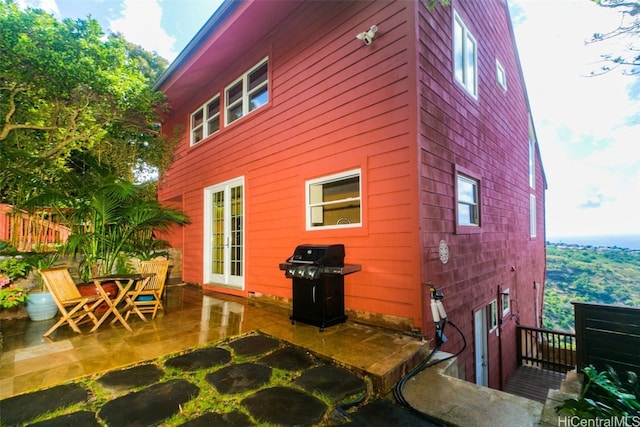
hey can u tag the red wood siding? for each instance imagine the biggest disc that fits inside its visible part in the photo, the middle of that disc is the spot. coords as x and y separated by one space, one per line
335 105
489 138
393 110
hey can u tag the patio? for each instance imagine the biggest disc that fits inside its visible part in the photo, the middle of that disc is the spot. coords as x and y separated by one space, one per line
192 319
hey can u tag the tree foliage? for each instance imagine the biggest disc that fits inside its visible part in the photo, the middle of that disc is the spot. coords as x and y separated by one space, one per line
628 31
66 89
109 216
431 4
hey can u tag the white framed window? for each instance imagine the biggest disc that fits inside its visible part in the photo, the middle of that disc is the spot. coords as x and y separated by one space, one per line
501 76
506 302
532 215
493 315
334 201
205 120
465 51
468 205
532 163
248 93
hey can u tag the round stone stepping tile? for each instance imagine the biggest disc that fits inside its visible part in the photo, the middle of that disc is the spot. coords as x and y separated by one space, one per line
285 406
200 359
20 409
137 376
82 418
148 406
254 345
229 419
239 378
288 358
331 381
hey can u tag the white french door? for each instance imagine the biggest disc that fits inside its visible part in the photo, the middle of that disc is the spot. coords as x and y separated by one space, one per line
224 234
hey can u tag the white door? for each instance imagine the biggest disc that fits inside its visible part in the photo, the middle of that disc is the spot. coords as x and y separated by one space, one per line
480 343
224 234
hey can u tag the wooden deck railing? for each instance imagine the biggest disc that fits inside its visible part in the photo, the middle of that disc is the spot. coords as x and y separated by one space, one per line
546 349
26 232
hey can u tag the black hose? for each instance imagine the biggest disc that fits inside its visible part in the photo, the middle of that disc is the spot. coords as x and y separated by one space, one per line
342 407
397 389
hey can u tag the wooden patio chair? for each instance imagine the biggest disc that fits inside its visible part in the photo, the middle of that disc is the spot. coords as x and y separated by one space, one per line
74 307
148 299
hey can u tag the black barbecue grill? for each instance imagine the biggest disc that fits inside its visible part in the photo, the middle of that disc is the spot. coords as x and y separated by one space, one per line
318 283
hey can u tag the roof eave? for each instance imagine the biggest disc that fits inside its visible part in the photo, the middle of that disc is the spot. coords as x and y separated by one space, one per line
214 22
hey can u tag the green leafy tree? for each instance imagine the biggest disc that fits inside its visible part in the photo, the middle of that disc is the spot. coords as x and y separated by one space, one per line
628 31
65 89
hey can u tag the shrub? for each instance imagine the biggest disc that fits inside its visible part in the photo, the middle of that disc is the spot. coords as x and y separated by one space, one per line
605 395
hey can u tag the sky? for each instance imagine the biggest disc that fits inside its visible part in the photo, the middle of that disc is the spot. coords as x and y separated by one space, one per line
588 128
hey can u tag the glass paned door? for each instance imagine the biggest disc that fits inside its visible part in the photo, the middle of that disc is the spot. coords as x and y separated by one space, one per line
224 231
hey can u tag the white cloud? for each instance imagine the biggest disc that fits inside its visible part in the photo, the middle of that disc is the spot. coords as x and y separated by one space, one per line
47 5
589 144
140 24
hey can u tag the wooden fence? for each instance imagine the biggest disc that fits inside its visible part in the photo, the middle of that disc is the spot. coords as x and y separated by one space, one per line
608 335
29 231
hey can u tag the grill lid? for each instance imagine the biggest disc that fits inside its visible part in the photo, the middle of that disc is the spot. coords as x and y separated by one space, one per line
325 255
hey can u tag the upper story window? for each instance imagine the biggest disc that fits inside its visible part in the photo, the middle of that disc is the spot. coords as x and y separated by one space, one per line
248 93
532 163
334 201
205 120
501 76
465 50
468 201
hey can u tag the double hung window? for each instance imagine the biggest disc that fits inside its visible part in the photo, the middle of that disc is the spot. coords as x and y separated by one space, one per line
205 120
248 93
468 201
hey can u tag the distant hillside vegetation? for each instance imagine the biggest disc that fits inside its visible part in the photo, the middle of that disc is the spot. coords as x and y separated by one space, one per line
590 274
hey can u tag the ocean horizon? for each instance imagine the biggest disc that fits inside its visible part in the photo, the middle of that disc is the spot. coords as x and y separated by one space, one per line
629 241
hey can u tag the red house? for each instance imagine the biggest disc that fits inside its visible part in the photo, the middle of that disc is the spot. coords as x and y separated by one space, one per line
402 132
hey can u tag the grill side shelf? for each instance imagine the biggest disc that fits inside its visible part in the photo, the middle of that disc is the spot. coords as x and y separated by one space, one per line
342 271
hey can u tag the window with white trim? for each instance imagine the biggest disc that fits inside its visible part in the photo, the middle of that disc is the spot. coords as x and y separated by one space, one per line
468 201
506 302
532 163
532 215
205 120
248 93
465 51
501 76
334 201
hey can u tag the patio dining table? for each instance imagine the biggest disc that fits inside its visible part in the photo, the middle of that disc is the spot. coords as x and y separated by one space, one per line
125 283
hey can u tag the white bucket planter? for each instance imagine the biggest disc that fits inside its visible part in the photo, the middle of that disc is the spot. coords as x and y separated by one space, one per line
41 306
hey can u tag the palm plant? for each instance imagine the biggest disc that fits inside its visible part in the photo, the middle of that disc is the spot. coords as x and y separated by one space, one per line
109 217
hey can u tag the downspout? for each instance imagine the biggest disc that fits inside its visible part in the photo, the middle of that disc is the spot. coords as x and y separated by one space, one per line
500 368
413 31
